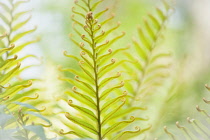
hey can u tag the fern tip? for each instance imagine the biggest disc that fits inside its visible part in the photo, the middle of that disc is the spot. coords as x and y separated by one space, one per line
137 128
178 125
206 85
190 120
70 102
132 118
74 88
206 101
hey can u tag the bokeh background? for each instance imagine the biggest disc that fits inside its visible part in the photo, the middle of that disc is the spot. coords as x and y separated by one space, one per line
187 37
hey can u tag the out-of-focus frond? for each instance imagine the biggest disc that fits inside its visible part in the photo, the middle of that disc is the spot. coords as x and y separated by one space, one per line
198 128
12 22
150 67
16 93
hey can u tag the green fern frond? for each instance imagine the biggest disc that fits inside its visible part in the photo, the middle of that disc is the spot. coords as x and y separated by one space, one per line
14 30
16 93
96 94
198 128
150 63
10 65
147 70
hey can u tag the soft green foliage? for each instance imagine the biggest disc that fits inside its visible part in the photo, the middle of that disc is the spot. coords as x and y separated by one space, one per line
109 88
148 69
151 62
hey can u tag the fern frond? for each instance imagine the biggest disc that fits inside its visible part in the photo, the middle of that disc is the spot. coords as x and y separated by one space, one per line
10 65
96 87
150 63
147 66
15 93
199 128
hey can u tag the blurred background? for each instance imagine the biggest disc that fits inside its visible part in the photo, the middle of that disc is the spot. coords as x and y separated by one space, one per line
187 37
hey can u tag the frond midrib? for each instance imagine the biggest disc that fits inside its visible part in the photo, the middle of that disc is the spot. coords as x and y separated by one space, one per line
95 67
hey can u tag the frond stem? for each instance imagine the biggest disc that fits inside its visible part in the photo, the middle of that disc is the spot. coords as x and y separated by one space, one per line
95 67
